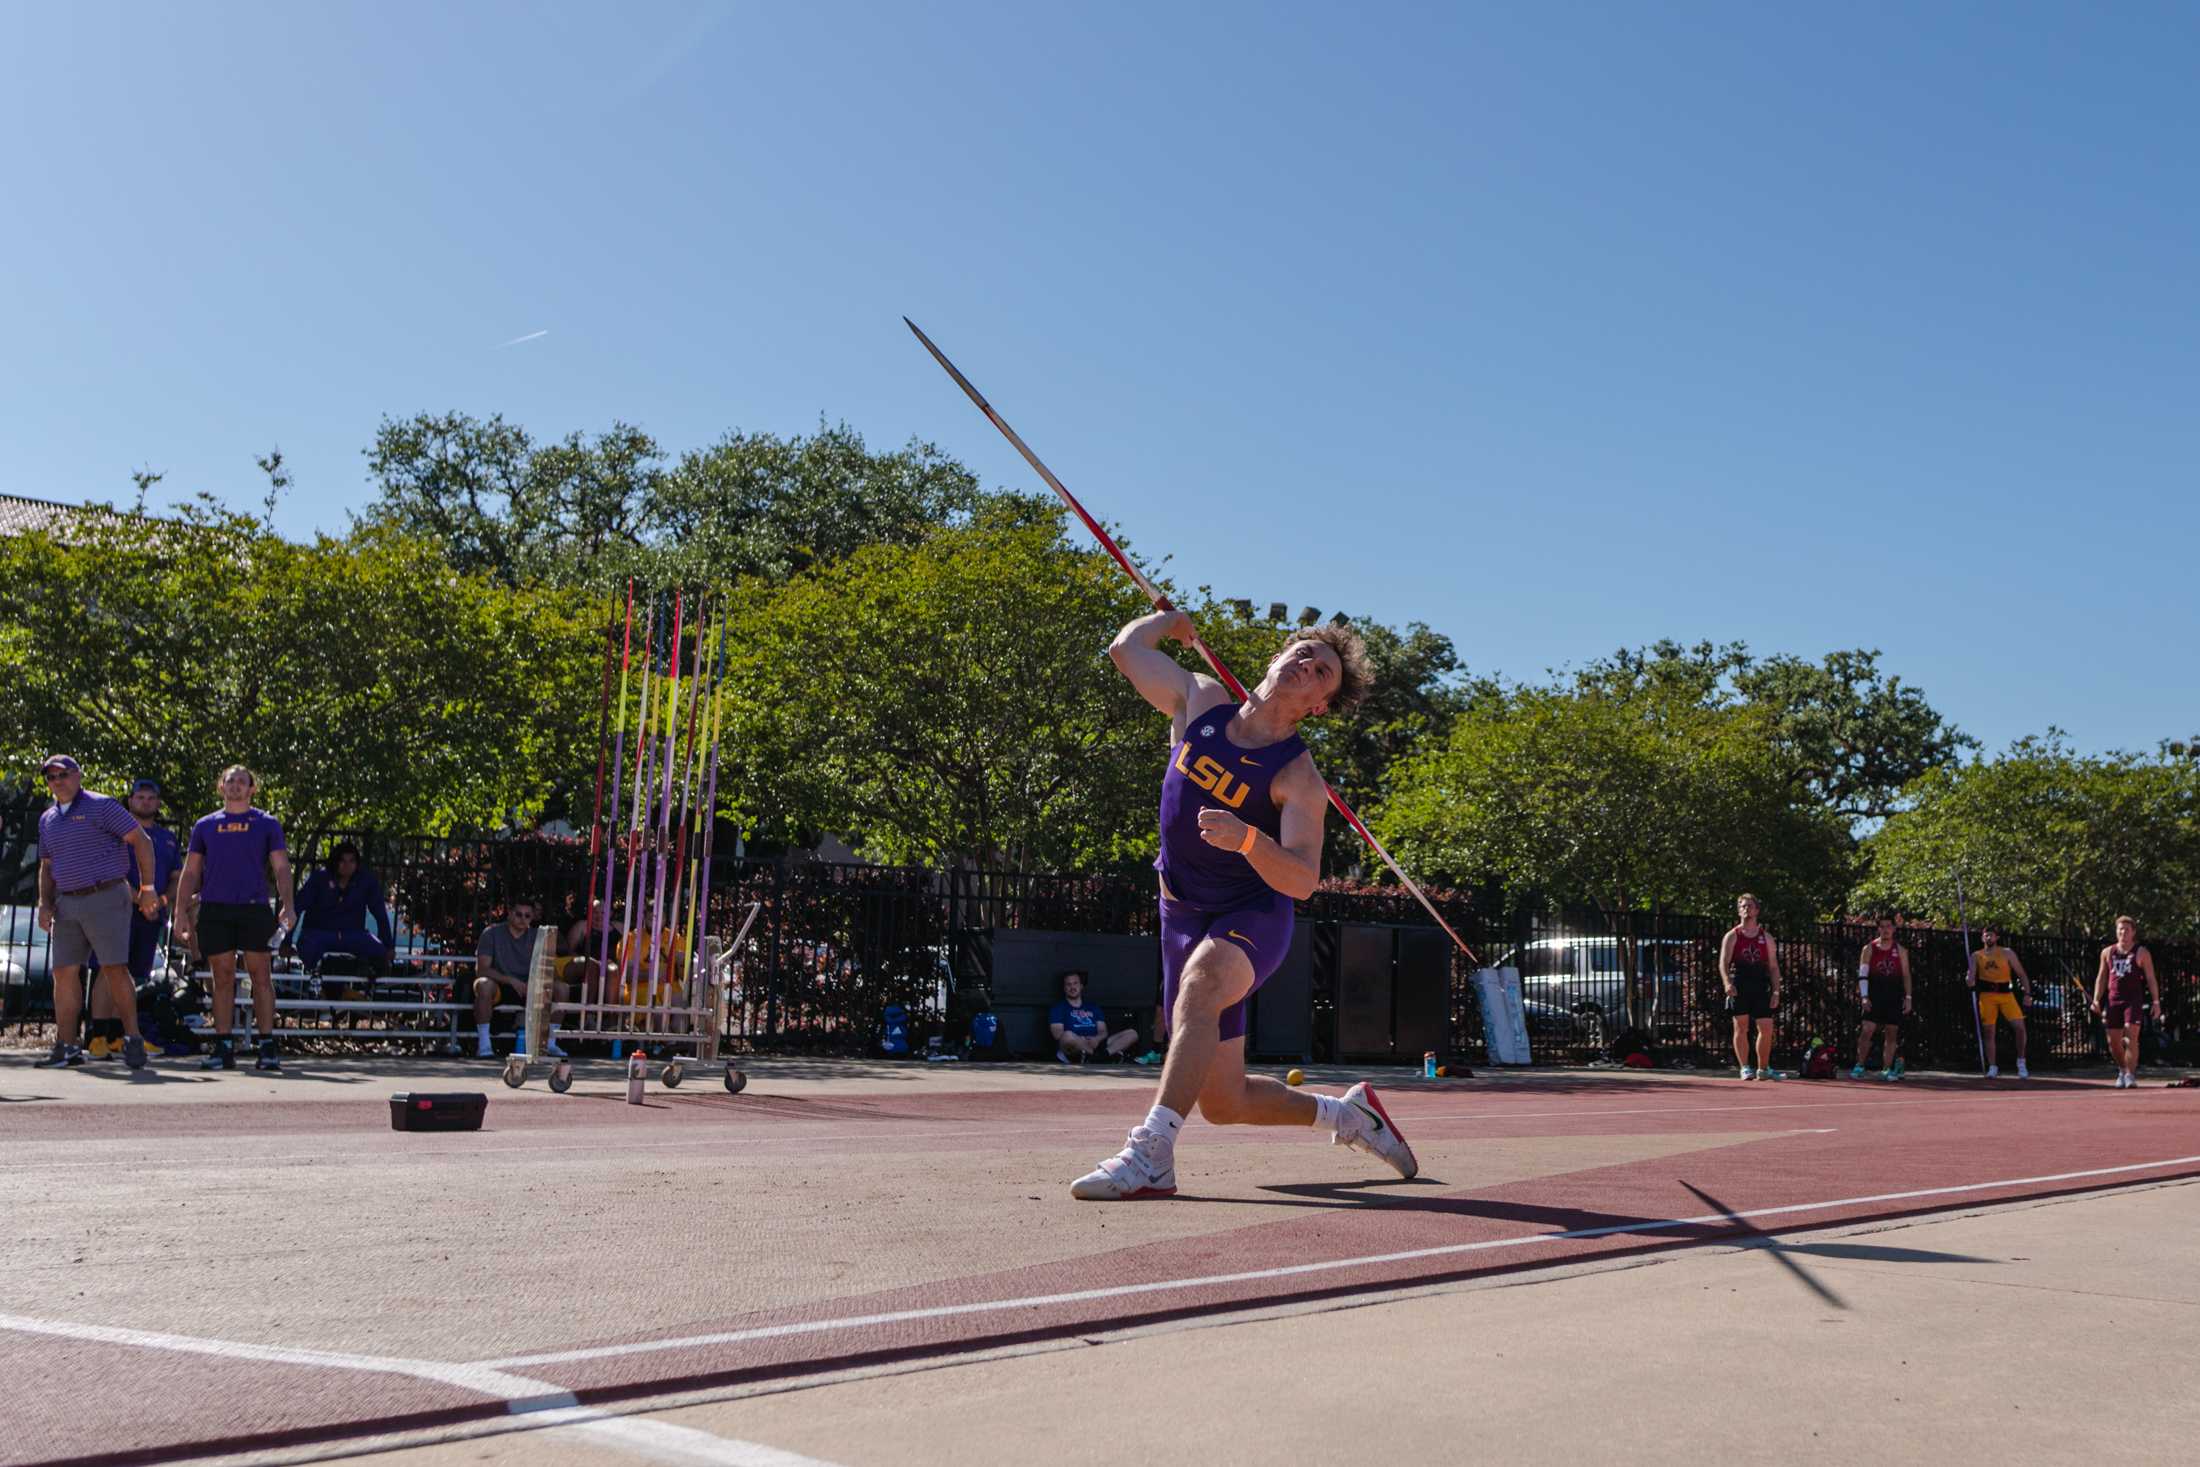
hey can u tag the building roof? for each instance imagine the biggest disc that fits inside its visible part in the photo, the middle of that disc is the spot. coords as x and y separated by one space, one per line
20 515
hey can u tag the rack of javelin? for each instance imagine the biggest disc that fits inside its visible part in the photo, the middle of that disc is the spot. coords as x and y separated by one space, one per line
662 987
683 1023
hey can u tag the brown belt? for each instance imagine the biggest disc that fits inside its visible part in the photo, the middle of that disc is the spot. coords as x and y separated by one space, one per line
88 890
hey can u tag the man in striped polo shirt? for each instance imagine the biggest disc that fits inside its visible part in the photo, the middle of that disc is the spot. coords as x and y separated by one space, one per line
88 846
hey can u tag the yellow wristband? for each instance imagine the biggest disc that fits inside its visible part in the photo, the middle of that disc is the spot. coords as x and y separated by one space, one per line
1246 847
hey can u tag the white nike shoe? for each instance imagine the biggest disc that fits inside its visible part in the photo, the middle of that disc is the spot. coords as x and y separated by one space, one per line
1993 1072
1749 1072
1368 1127
1143 1168
2023 1072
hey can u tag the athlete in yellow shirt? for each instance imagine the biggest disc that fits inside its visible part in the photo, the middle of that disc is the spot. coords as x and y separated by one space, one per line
1994 969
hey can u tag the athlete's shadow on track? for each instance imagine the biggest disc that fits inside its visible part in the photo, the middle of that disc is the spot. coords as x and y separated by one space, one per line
1413 1197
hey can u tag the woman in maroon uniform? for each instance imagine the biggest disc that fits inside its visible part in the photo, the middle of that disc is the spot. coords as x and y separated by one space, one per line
1750 970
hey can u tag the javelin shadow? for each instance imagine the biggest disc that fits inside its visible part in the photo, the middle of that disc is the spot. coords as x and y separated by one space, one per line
1773 1248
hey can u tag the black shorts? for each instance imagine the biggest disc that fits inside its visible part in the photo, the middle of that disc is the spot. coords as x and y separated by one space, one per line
1885 1008
235 927
1753 997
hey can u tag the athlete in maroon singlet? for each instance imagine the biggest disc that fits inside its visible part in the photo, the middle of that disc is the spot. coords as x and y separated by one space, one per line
1241 840
2122 990
1884 972
1749 968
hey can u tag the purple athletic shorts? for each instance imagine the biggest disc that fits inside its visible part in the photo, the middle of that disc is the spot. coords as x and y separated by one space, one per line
1261 931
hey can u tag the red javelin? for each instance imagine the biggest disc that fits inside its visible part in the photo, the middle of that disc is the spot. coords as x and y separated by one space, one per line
1162 603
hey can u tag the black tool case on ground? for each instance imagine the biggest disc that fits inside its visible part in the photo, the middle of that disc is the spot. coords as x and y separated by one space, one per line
450 1111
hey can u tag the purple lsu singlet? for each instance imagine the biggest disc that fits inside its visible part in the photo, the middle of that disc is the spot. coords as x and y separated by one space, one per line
1206 769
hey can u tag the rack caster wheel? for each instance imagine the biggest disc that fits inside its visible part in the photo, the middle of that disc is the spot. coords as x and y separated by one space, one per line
561 1079
671 1077
515 1071
736 1082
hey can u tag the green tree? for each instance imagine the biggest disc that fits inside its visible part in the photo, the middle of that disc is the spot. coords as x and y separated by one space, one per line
364 679
587 511
1848 734
1619 799
574 512
944 701
2044 839
755 505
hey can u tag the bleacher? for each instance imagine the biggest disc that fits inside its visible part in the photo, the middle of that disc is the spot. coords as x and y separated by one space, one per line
424 995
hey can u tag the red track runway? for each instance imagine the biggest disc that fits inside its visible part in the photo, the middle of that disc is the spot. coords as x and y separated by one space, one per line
291 1272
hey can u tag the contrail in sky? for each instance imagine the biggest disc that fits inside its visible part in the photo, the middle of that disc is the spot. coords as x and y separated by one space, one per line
530 336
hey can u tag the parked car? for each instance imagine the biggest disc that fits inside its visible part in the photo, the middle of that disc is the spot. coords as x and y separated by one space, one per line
1581 975
26 966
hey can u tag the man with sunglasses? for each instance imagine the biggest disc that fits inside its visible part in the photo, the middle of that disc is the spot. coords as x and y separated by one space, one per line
89 848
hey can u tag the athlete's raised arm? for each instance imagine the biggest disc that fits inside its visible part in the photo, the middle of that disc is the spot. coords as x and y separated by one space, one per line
1160 679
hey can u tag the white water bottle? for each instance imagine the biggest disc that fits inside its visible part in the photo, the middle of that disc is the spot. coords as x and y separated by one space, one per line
637 1071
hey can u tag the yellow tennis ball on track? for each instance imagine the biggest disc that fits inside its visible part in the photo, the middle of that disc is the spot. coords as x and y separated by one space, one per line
1296 1077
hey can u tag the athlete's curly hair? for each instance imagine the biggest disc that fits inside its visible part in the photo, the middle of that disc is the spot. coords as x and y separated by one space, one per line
1355 673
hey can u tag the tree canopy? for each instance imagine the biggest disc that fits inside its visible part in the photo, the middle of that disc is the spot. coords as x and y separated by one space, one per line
364 679
2044 839
944 701
1621 797
918 668
1846 733
589 511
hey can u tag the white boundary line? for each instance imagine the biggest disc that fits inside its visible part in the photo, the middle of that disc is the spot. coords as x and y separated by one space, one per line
542 1404
1294 1270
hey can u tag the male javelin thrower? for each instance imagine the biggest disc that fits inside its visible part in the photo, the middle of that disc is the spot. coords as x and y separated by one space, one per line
1241 840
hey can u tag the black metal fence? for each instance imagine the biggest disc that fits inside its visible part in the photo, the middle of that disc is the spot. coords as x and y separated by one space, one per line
1571 967
833 944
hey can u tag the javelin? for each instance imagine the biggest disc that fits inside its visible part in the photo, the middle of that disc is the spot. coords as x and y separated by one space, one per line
1970 977
1162 603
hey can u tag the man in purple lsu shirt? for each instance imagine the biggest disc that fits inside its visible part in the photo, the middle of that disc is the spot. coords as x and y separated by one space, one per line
1241 840
232 853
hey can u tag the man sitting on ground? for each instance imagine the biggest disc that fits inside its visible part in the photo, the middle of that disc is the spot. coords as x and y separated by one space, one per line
1080 1029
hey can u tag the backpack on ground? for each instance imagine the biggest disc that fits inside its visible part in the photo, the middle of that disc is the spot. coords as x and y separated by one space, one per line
1631 1046
893 1038
1819 1061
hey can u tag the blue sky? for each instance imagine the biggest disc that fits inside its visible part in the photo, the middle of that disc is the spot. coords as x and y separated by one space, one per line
1559 327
